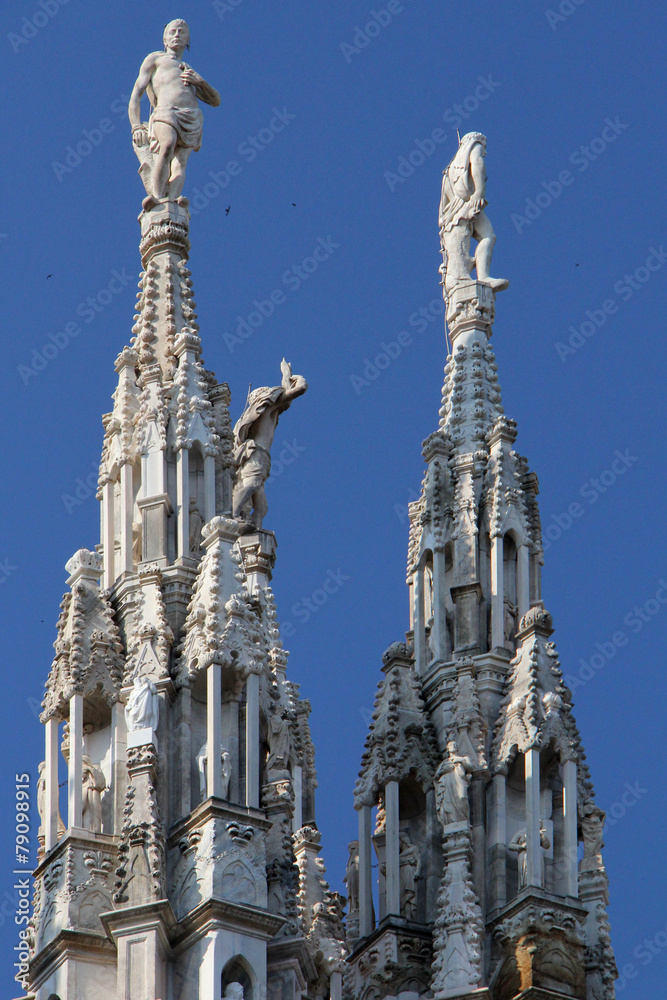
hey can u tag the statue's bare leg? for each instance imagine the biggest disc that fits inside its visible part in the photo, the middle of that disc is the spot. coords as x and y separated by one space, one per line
484 234
167 139
242 497
177 175
260 508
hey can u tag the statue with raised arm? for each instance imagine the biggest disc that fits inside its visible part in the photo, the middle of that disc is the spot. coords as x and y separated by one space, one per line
253 437
462 216
174 89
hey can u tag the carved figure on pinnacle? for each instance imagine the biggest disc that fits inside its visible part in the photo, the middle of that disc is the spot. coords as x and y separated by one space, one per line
462 216
164 143
253 437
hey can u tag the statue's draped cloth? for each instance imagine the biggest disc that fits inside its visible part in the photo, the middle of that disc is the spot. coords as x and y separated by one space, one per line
254 460
188 124
457 189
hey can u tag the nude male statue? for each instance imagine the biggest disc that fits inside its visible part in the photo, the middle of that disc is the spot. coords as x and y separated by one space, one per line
462 203
175 127
253 437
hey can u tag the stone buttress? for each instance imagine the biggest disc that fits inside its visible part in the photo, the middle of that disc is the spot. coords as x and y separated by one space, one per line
477 872
188 858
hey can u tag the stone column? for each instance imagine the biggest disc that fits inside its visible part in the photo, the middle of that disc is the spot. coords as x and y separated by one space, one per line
365 873
126 518
570 827
259 557
498 843
497 594
214 730
336 986
118 762
252 741
75 767
392 861
533 848
209 487
108 533
419 625
183 503
230 725
297 783
522 581
51 779
440 636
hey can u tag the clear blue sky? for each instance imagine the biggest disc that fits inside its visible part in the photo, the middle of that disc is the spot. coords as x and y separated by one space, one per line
540 88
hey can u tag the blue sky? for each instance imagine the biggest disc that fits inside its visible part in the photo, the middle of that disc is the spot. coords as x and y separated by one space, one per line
330 115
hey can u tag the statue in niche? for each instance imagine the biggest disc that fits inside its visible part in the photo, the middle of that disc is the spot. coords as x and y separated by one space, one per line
462 216
253 437
518 846
509 623
174 130
143 706
233 991
137 553
352 877
280 745
226 771
42 806
380 817
451 787
591 822
196 524
94 783
409 868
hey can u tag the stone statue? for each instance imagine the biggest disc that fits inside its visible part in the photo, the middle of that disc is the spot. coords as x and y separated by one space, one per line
352 877
233 991
518 846
509 622
41 804
94 784
253 437
143 706
202 762
137 554
461 217
592 827
409 869
174 90
196 524
451 787
280 745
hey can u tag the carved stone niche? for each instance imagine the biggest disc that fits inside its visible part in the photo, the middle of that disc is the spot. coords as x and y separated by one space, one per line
392 964
539 952
73 885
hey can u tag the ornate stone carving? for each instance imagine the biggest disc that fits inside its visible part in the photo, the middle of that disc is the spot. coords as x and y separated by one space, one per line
457 940
142 710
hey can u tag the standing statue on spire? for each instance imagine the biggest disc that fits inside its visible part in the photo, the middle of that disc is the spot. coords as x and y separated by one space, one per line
462 216
253 437
174 90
